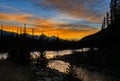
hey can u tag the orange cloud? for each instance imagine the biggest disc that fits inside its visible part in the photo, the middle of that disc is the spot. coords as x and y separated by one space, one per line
21 18
47 27
70 34
61 33
44 23
26 18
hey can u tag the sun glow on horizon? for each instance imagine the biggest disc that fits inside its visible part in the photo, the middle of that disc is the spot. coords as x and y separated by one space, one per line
66 34
66 19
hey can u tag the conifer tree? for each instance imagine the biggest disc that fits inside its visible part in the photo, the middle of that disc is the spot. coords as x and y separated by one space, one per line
107 19
104 23
1 30
24 28
115 11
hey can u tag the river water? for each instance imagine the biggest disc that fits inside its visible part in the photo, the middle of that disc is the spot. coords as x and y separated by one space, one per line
83 73
87 75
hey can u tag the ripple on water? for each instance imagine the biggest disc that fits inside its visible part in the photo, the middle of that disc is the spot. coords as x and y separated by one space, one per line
87 75
83 73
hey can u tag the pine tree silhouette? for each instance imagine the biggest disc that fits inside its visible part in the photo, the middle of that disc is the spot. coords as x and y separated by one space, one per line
104 23
107 19
115 11
112 17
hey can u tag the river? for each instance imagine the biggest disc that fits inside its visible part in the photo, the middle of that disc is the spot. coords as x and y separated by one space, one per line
87 75
83 73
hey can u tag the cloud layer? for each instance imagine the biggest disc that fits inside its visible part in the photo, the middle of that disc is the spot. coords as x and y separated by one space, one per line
68 18
49 27
91 10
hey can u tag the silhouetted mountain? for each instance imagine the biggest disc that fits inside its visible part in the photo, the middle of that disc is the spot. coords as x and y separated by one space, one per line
110 33
107 37
42 37
13 41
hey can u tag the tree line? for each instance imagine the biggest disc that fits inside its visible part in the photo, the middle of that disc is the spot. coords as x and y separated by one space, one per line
113 15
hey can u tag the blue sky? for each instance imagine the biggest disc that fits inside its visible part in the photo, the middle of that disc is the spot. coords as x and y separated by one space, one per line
78 14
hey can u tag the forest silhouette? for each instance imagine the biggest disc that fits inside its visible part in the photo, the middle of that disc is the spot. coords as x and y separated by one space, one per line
109 34
107 41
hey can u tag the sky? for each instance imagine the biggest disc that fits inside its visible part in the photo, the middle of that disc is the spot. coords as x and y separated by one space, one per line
67 19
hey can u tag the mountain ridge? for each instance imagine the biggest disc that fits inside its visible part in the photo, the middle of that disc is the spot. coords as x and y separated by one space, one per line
106 37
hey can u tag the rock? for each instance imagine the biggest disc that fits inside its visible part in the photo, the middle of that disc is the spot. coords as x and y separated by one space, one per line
48 79
58 65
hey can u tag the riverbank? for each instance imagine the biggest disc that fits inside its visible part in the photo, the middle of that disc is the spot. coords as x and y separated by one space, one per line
12 72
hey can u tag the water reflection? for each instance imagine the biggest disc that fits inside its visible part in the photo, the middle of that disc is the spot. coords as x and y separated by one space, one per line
51 54
87 75
3 55
83 73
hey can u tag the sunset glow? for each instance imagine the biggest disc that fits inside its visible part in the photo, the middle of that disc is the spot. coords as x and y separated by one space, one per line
62 18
